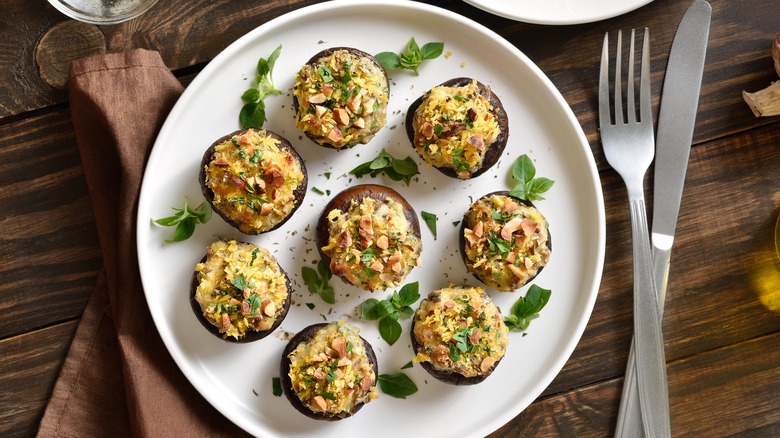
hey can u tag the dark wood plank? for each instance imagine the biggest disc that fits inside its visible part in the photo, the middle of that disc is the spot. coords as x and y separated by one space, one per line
702 390
723 265
192 33
29 365
716 393
49 243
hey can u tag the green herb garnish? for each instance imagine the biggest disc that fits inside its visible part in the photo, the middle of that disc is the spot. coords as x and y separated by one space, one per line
397 170
185 220
388 311
397 385
528 187
252 114
411 58
430 220
317 282
527 308
276 385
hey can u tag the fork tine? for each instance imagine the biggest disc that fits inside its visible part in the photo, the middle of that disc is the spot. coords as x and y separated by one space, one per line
630 106
604 115
645 110
619 119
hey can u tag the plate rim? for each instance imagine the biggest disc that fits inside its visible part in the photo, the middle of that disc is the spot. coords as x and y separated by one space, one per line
550 20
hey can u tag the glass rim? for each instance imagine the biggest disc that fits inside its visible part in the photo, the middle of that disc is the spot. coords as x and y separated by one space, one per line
65 8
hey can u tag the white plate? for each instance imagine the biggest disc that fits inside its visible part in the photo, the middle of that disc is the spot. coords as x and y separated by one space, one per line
236 378
558 11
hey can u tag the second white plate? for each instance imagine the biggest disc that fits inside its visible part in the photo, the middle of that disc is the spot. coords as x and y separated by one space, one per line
558 11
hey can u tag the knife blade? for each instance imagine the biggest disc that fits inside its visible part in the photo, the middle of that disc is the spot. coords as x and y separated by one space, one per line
676 121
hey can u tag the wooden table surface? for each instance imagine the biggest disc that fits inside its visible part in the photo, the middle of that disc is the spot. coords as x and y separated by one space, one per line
722 319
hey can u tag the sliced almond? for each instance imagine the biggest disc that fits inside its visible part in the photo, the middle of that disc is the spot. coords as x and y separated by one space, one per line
319 110
266 208
319 402
269 308
377 266
487 364
224 322
335 135
395 263
518 271
360 123
510 227
344 361
479 229
340 345
529 227
382 242
318 98
341 116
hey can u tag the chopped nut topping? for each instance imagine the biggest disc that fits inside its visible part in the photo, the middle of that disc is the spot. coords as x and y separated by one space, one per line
382 242
340 345
318 98
487 364
320 402
510 227
341 116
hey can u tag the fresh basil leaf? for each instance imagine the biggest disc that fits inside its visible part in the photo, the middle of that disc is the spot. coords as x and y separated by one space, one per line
170 220
368 309
262 67
390 330
251 95
328 294
406 167
276 386
395 169
412 47
406 310
384 308
527 308
397 385
409 294
272 60
388 60
324 271
311 279
523 169
183 231
432 50
252 115
203 212
430 221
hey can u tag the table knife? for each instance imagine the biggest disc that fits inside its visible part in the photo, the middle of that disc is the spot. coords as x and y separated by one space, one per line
676 121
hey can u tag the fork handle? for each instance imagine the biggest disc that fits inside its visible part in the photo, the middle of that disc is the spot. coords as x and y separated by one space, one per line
629 423
649 351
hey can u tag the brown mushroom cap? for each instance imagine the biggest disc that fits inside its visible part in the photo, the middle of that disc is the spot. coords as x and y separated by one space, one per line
284 374
464 223
299 192
251 334
324 54
342 201
493 152
450 377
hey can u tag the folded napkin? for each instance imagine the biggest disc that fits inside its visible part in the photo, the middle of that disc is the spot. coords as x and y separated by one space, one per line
118 378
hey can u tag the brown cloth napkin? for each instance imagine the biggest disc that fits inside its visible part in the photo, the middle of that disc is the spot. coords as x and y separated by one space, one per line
118 378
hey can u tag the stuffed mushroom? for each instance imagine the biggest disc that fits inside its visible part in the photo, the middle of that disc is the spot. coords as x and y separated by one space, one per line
328 371
459 335
254 179
369 236
239 292
340 97
459 127
505 241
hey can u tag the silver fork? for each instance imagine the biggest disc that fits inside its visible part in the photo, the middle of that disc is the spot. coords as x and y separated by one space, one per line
629 146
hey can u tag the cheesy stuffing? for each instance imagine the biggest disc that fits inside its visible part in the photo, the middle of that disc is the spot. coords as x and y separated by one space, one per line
460 330
454 127
254 180
241 288
331 373
372 244
506 242
342 99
